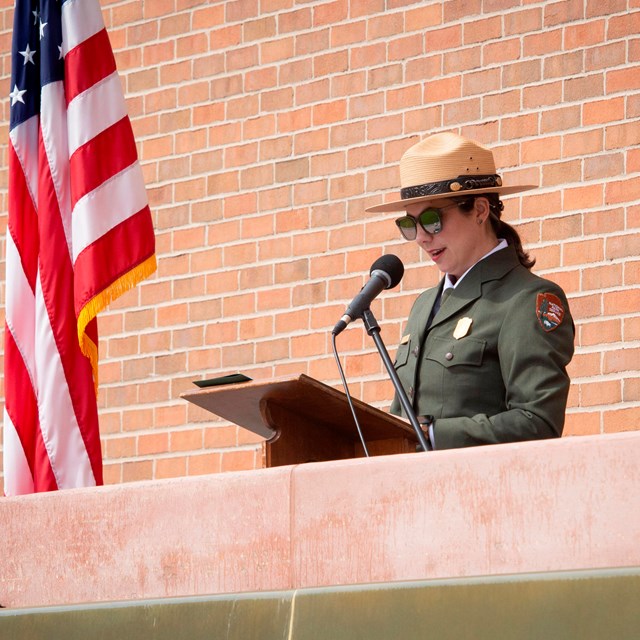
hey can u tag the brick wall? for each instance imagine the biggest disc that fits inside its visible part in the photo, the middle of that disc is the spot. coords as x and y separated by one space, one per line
265 129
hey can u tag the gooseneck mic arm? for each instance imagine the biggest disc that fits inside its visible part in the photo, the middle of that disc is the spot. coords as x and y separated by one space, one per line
373 330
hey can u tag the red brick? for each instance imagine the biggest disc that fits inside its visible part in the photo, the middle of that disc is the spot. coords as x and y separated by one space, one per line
422 17
402 48
481 82
622 26
580 198
623 246
461 111
543 43
345 34
330 13
235 11
604 7
367 55
631 328
603 111
312 92
204 464
425 68
562 228
207 17
442 39
600 393
521 73
560 119
563 12
621 191
385 25
631 390
454 10
598 333
585 34
276 50
618 136
605 56
297 20
582 424
174 25
501 52
578 89
483 30
277 99
521 126
312 42
137 470
603 166
239 460
627 79
589 251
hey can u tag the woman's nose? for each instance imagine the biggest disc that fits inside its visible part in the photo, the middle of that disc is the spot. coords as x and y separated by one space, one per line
422 236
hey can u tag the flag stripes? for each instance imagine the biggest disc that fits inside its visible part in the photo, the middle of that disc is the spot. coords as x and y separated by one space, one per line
79 234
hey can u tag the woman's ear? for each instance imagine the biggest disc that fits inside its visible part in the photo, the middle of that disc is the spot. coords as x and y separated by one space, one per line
481 209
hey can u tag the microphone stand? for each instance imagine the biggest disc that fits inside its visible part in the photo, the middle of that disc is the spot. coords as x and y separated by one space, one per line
373 329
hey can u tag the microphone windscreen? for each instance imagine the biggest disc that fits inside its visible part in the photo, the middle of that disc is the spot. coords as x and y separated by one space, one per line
392 266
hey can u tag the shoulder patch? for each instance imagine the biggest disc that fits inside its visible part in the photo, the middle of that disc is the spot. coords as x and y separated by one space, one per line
549 311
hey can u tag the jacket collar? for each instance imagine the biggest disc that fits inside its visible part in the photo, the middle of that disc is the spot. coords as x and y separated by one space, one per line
493 267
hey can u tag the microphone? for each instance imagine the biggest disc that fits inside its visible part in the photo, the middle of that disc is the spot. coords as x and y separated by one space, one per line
386 272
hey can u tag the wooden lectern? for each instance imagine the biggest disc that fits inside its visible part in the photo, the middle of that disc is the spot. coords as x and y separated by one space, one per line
304 420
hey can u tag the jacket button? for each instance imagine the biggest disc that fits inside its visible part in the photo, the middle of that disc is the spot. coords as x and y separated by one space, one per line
449 356
410 392
416 351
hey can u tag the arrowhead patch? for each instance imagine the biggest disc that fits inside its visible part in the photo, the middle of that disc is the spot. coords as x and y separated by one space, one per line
549 311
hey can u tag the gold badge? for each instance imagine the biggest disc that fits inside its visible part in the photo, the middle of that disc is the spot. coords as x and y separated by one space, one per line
405 339
462 328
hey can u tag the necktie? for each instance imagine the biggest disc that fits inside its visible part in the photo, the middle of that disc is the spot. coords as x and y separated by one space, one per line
443 298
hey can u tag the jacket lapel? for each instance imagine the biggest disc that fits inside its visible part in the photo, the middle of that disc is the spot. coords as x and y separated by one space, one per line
494 267
427 300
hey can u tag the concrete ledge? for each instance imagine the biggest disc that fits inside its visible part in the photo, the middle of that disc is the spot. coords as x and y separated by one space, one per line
585 605
568 504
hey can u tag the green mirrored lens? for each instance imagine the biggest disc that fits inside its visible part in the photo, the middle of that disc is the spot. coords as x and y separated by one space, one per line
407 226
430 221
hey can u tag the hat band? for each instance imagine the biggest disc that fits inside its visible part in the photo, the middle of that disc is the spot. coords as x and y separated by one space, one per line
461 183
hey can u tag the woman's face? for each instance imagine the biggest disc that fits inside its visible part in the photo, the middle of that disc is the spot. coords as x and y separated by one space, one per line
462 241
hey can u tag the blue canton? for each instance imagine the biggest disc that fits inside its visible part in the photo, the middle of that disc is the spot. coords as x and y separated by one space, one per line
36 55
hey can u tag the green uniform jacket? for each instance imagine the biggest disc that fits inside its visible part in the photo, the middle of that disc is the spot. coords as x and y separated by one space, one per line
503 378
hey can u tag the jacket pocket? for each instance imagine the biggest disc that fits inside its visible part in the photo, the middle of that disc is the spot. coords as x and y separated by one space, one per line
451 353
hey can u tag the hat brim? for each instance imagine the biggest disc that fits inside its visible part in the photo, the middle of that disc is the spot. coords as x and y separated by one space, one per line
399 205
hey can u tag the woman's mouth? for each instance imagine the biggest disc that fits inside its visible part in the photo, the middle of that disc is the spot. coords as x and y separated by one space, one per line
435 254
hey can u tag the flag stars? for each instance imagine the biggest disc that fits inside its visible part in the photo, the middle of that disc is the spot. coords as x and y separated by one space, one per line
42 26
28 54
36 15
16 95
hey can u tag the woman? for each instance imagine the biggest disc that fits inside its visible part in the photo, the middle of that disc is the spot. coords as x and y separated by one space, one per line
484 354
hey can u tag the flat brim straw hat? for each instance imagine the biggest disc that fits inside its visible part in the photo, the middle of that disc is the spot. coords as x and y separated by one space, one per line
445 166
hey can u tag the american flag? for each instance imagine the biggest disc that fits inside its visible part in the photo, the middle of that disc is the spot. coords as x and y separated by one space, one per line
79 235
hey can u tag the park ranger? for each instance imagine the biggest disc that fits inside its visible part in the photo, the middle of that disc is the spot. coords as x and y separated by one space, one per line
483 355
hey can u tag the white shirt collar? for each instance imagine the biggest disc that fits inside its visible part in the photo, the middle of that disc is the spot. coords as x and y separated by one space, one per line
447 281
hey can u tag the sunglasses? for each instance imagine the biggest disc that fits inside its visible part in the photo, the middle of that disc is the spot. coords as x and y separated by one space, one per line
430 220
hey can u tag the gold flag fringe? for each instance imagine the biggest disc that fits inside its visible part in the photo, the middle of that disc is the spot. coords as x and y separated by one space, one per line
102 300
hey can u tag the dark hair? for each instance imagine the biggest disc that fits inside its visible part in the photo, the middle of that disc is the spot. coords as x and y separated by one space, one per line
501 228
